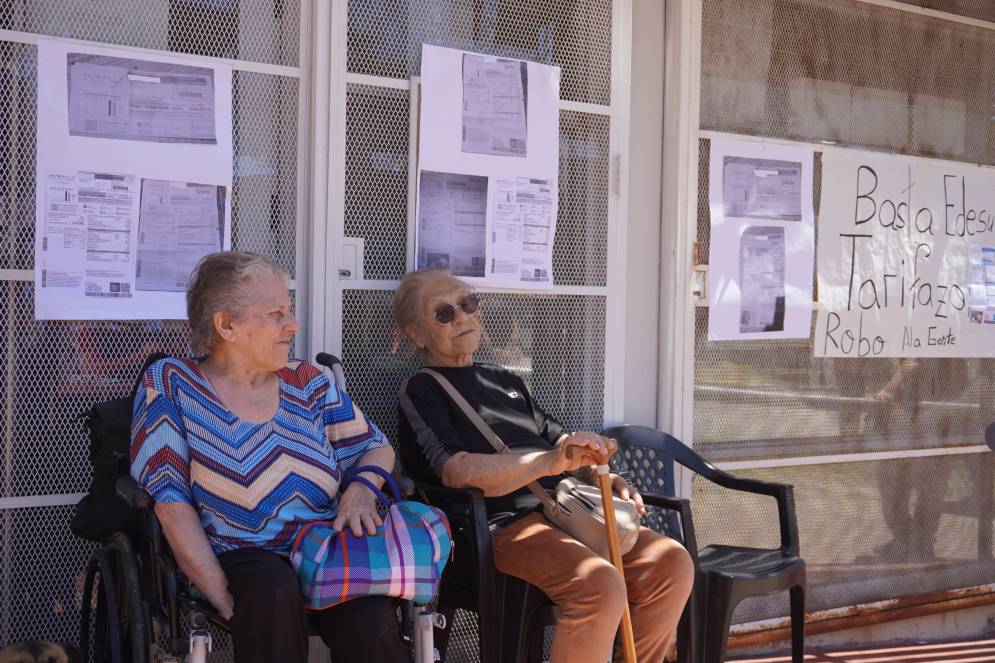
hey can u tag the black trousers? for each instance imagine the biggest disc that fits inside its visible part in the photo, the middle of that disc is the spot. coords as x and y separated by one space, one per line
270 625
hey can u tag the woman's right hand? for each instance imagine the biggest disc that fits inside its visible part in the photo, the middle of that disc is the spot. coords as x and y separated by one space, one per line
581 449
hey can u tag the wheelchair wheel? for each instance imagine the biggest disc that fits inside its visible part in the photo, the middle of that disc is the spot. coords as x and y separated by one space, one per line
99 631
114 619
133 610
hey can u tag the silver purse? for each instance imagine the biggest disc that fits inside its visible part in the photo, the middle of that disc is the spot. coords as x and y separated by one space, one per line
575 507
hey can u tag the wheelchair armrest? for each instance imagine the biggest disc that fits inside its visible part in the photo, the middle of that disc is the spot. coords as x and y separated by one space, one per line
134 495
683 508
405 485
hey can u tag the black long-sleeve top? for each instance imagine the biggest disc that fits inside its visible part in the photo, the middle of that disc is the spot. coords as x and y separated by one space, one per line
433 428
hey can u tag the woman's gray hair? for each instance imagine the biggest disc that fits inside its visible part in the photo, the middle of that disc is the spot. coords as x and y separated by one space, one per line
225 281
408 298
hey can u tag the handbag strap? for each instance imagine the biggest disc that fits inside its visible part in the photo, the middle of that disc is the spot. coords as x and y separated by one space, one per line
487 432
389 482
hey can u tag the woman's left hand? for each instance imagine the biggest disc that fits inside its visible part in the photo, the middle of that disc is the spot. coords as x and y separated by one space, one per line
358 511
628 493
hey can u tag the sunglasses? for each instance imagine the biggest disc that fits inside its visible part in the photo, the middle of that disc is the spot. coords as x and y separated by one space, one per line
446 313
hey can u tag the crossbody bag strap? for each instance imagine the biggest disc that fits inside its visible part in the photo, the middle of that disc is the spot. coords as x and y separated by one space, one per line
486 431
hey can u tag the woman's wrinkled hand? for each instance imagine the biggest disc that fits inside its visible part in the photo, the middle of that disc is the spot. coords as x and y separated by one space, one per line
357 511
628 493
581 449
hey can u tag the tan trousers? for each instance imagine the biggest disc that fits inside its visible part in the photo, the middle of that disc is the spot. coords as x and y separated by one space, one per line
590 593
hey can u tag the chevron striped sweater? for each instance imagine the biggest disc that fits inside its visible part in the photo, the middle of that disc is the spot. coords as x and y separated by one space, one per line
254 485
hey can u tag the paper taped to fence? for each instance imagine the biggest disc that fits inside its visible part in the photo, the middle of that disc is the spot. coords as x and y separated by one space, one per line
906 257
761 247
488 166
133 181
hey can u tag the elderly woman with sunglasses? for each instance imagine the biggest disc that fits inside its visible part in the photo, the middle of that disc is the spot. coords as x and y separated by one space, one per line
438 443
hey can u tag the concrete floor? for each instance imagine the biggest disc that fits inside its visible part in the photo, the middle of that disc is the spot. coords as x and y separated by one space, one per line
974 651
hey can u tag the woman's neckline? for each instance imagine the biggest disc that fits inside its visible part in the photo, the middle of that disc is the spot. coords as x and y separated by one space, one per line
220 401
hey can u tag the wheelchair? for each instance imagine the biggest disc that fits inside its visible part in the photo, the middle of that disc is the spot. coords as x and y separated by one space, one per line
136 606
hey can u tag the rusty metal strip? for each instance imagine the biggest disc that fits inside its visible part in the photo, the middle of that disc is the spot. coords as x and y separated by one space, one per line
868 615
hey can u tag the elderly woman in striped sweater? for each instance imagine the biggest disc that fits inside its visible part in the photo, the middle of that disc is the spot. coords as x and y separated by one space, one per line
240 449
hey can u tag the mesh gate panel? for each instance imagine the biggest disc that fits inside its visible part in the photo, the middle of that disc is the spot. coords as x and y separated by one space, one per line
869 531
848 72
264 175
981 9
773 399
875 77
42 575
385 37
18 107
555 343
580 250
376 180
54 370
64 367
264 183
376 188
255 30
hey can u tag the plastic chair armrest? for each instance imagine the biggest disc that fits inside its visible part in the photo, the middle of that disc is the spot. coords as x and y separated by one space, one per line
682 507
783 493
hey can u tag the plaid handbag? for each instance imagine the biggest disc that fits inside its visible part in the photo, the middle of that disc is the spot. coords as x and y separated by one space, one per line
404 558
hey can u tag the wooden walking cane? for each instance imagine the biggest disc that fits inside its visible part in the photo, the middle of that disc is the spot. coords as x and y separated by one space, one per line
611 528
614 551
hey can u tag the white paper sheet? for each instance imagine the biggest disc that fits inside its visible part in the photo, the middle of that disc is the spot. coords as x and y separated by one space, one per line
90 188
178 224
127 98
906 257
761 248
89 221
494 105
524 223
496 119
452 222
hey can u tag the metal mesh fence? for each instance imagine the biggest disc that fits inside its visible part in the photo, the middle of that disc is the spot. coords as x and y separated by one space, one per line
17 165
264 183
54 370
256 30
869 76
376 188
869 531
544 339
555 342
981 9
42 577
851 73
580 251
385 37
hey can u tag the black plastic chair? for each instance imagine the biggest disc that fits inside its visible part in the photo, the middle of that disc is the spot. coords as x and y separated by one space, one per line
512 615
725 575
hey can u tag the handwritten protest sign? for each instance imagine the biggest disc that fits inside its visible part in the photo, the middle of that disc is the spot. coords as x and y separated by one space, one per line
906 257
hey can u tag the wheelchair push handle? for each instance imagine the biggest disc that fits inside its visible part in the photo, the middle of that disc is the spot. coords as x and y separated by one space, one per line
334 364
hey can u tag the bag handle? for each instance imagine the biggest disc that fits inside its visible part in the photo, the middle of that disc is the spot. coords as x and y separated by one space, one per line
487 432
388 482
